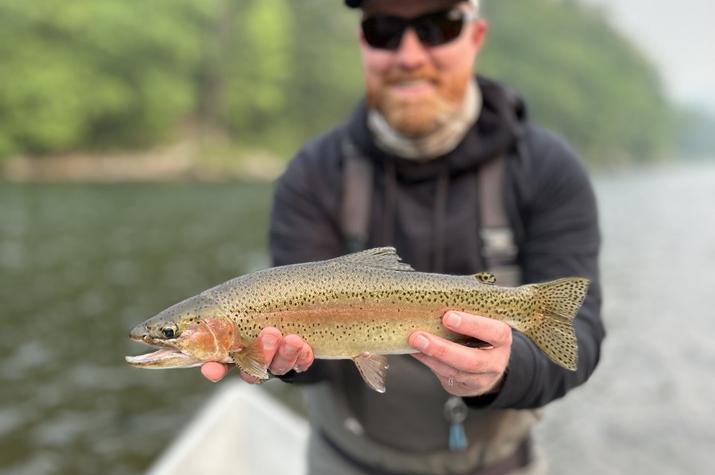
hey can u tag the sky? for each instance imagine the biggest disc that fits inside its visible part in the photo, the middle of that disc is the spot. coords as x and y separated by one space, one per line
678 36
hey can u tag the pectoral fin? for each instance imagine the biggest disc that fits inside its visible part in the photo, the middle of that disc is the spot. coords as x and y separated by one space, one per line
373 369
249 359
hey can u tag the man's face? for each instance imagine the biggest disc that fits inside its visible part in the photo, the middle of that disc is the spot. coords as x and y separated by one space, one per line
416 87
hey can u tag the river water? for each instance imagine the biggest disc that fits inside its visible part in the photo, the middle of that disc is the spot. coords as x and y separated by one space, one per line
80 264
650 406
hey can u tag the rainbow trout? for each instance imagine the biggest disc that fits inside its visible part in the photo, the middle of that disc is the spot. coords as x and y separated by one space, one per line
361 306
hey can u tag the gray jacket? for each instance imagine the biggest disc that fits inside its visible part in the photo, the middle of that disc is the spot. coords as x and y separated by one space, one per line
430 213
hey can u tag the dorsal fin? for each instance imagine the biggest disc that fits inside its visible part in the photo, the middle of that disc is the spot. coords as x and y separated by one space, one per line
486 278
379 257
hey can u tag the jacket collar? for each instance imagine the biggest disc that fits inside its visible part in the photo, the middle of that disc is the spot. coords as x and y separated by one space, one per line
494 133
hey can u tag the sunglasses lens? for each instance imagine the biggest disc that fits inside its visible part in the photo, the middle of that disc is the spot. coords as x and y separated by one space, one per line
383 32
433 29
439 28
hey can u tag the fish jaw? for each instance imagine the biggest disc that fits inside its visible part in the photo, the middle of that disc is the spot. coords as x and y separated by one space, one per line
167 356
211 339
164 358
187 334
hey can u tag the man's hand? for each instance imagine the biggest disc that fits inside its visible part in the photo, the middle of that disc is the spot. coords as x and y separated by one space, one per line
465 371
281 354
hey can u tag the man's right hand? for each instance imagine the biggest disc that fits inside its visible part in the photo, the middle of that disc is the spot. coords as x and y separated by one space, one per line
282 353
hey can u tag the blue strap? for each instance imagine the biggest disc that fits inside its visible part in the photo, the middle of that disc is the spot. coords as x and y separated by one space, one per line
457 438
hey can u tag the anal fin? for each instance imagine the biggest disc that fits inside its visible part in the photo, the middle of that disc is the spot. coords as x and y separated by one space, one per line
373 369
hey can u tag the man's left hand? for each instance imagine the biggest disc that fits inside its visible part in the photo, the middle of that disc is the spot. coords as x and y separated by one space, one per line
462 370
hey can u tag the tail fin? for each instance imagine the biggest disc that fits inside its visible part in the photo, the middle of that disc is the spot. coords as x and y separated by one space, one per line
551 326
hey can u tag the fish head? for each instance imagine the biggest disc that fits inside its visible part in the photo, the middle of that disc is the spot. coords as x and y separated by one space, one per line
187 334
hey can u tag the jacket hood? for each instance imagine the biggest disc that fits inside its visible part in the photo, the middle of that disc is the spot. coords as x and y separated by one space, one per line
500 122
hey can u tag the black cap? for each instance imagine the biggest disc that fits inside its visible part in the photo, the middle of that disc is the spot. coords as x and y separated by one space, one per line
354 3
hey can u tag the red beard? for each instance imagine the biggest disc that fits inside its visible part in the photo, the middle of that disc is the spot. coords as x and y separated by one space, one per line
421 115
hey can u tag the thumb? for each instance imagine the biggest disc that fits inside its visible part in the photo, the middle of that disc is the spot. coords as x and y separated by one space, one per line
214 371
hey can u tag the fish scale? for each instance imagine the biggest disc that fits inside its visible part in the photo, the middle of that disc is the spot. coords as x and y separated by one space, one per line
382 297
361 306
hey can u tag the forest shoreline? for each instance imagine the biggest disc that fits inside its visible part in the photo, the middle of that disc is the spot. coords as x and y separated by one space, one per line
180 162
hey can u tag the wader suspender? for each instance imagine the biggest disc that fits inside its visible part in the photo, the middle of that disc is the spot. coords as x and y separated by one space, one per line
357 196
499 249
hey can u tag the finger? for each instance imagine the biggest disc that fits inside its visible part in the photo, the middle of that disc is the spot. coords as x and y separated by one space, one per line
250 379
440 369
214 371
489 330
305 359
445 372
460 357
287 355
472 385
269 340
460 383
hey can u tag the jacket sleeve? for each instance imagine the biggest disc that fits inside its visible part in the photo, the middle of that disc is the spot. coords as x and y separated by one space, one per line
303 223
561 238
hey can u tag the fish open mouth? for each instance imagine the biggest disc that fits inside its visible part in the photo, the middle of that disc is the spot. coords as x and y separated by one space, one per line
162 359
165 356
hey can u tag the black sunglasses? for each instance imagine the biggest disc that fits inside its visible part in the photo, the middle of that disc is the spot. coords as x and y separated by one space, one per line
433 29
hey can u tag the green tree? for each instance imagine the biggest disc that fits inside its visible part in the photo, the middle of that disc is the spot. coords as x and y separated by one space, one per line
96 74
580 77
270 73
259 68
328 79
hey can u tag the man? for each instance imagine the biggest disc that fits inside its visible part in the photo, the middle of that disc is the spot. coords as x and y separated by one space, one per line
429 131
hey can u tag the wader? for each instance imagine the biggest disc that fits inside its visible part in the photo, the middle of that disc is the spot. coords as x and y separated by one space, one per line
425 430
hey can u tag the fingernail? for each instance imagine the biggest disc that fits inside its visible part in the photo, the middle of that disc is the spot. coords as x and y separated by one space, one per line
421 342
453 320
269 342
209 375
299 368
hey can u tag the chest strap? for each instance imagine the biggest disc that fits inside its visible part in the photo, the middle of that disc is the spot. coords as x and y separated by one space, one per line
498 246
357 197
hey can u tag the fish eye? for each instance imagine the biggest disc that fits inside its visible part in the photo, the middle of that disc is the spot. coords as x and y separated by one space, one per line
169 332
